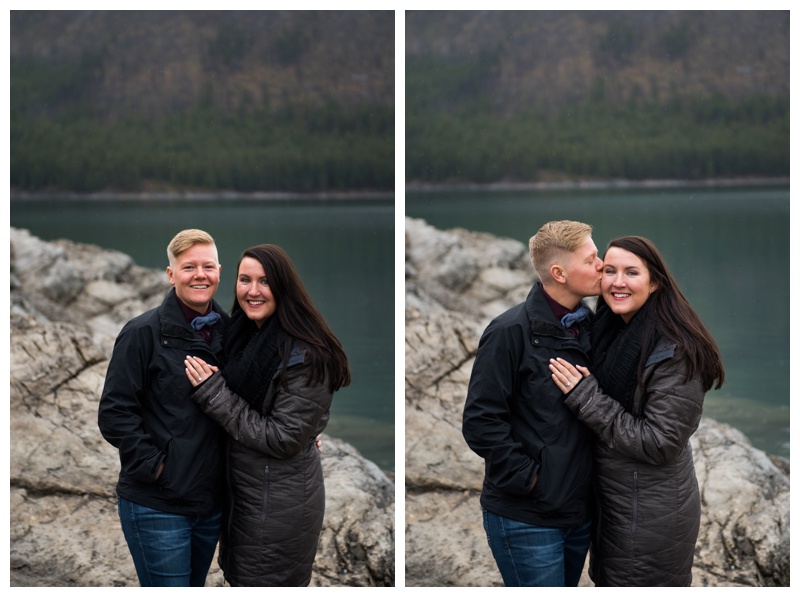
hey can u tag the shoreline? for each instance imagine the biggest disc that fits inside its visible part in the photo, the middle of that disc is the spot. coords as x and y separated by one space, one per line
202 195
417 187
413 187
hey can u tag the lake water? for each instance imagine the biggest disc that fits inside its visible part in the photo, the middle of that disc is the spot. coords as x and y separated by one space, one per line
728 248
343 250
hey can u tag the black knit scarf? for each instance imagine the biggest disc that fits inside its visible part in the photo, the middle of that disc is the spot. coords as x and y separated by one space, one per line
617 351
252 356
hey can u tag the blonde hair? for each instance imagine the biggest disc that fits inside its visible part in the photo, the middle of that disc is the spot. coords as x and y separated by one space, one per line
552 241
185 239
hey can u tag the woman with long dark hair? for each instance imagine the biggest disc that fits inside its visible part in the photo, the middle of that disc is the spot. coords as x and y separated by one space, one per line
653 360
282 365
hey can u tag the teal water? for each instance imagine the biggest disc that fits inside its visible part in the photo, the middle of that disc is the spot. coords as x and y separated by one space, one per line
728 248
342 249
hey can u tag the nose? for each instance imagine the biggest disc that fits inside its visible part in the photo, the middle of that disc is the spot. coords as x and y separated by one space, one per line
619 280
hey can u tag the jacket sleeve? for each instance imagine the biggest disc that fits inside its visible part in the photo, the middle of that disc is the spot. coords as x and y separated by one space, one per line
487 419
120 410
671 414
292 422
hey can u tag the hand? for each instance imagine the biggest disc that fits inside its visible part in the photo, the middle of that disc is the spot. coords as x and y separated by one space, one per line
319 443
198 371
565 375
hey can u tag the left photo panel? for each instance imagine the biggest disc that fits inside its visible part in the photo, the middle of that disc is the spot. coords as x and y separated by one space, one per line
202 334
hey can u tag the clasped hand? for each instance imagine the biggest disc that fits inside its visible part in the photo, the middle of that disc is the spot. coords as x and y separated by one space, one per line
565 375
197 370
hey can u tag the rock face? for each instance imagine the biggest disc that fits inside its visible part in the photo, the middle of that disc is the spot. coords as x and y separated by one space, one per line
68 302
456 282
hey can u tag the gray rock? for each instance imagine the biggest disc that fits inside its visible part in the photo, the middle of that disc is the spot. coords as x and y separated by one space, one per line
744 537
64 525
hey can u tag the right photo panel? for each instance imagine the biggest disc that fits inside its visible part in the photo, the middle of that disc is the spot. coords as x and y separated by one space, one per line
597 251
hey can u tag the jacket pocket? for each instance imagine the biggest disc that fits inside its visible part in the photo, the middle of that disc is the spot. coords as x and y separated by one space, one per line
265 497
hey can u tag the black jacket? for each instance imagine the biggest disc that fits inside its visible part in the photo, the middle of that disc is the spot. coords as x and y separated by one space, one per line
516 420
146 412
648 499
272 524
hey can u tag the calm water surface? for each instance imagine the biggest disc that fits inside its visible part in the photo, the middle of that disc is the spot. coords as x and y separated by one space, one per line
342 249
728 248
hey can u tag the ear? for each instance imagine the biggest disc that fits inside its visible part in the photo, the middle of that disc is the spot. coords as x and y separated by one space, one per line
557 273
653 287
170 277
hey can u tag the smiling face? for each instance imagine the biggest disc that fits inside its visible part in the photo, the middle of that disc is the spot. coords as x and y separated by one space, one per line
253 292
195 276
626 283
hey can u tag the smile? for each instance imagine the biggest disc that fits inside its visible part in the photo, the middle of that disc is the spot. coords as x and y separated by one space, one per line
255 303
619 295
200 286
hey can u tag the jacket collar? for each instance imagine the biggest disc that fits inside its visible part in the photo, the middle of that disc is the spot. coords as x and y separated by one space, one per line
663 351
540 313
543 321
173 323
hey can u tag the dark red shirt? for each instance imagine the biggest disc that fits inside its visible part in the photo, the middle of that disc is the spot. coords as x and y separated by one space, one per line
190 314
560 310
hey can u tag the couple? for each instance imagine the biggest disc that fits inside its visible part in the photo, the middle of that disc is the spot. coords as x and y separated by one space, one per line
216 420
584 420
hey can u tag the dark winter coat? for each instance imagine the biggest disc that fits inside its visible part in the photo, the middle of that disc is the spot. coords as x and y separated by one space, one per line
648 501
538 456
146 413
272 523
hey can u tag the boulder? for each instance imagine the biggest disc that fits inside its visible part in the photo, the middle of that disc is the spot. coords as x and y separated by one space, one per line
68 302
744 536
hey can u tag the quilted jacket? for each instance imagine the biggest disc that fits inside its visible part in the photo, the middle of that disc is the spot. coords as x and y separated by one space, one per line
648 500
273 517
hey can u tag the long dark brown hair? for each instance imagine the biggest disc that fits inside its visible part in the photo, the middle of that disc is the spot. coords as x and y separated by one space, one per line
298 315
671 315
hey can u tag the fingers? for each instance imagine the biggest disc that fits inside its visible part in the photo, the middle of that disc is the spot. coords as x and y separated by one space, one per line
197 370
564 366
565 375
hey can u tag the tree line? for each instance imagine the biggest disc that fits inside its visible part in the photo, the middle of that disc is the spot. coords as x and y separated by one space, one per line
59 142
454 135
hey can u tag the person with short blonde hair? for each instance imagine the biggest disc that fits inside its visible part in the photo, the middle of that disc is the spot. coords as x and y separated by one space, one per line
553 241
169 492
185 239
538 456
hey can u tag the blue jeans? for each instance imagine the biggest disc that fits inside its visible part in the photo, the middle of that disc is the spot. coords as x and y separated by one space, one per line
533 556
169 550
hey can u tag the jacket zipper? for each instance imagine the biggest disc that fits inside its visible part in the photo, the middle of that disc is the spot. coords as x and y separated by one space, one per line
266 490
635 500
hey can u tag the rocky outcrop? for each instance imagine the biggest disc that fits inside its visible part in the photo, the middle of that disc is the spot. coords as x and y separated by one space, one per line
68 302
456 282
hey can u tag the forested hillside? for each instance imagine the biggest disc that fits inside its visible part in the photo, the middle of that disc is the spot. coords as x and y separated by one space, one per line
542 95
154 100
